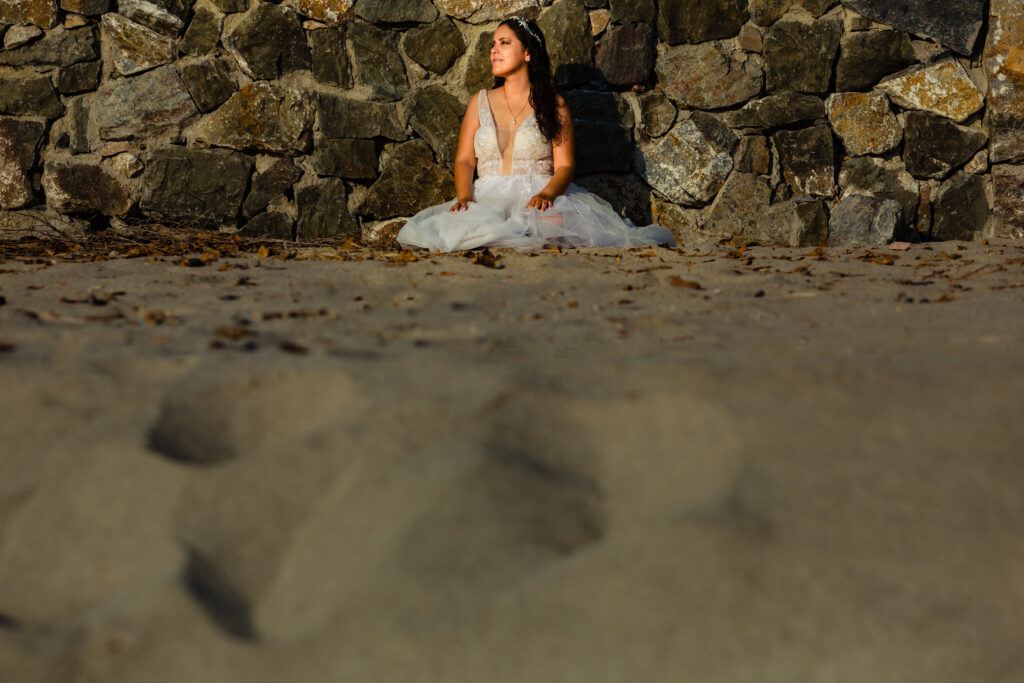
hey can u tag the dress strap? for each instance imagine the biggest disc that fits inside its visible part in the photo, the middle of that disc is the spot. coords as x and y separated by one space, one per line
484 108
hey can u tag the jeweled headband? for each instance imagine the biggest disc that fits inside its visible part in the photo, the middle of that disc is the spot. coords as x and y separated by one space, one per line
526 27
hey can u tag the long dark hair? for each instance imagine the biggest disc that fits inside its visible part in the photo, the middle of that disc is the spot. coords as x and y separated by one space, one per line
543 97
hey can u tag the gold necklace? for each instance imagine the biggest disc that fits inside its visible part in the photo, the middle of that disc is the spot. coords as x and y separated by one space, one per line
515 117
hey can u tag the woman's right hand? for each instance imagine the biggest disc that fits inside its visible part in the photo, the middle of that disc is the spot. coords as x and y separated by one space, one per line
460 204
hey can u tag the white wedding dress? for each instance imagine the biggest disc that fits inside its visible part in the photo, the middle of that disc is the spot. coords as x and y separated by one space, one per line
498 216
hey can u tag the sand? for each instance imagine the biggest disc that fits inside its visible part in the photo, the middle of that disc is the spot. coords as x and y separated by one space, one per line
712 464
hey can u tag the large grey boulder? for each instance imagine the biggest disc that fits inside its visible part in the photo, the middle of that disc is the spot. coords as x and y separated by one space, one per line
343 117
261 117
689 164
435 116
134 48
73 186
434 47
961 208
807 157
31 95
202 34
740 205
478 75
143 105
571 60
799 57
866 57
935 146
800 222
708 76
323 211
269 42
19 150
194 186
862 221
953 24
697 21
151 15
58 47
887 179
331 64
626 54
411 181
376 64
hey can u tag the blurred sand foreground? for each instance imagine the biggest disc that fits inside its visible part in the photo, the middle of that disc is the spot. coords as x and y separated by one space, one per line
713 465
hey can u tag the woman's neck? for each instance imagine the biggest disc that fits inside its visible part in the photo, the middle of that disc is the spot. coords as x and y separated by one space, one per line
517 84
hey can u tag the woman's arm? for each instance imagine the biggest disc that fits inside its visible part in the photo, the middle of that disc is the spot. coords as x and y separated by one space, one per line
465 157
564 156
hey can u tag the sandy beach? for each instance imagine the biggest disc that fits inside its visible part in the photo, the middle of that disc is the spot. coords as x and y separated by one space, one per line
717 463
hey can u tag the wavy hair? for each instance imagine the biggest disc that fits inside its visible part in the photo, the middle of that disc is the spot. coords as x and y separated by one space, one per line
543 96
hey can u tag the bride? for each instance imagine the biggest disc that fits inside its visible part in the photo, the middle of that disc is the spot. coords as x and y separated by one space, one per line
518 136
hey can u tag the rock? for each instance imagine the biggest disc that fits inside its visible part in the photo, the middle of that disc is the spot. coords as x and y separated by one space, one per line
78 129
866 58
807 159
943 88
434 47
599 20
686 166
59 47
279 178
863 122
935 146
16 36
342 117
333 12
269 42
209 82
435 115
29 96
92 528
231 6
629 11
153 16
571 52
272 224
767 12
41 13
330 59
201 187
89 8
753 155
478 74
156 100
19 151
657 113
816 7
698 21
77 186
800 222
626 54
750 39
134 48
799 57
1008 186
127 165
261 117
323 211
79 78
707 76
626 193
860 221
953 24
961 209
346 158
778 111
978 163
479 11
880 178
1005 70
411 181
377 65
396 11
203 33
740 205
382 235
109 149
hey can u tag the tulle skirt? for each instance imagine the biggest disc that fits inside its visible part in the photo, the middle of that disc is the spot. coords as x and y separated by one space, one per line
499 218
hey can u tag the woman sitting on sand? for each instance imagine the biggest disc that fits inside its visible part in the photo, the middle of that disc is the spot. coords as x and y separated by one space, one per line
518 136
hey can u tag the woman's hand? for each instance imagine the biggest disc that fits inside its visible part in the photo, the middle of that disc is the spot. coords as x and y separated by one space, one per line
461 204
541 201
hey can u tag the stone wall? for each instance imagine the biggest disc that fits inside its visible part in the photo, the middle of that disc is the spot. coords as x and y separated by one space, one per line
770 120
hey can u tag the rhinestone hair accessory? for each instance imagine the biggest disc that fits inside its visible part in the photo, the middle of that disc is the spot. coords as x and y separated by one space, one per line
526 27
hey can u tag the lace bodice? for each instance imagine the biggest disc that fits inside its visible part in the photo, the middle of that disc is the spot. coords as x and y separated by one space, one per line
529 153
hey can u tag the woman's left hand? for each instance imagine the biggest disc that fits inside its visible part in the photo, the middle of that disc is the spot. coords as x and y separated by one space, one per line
541 202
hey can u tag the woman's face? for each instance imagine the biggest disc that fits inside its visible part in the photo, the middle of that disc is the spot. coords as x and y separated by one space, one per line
507 52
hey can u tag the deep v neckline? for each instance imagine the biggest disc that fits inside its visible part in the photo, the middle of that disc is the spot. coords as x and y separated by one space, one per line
515 132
